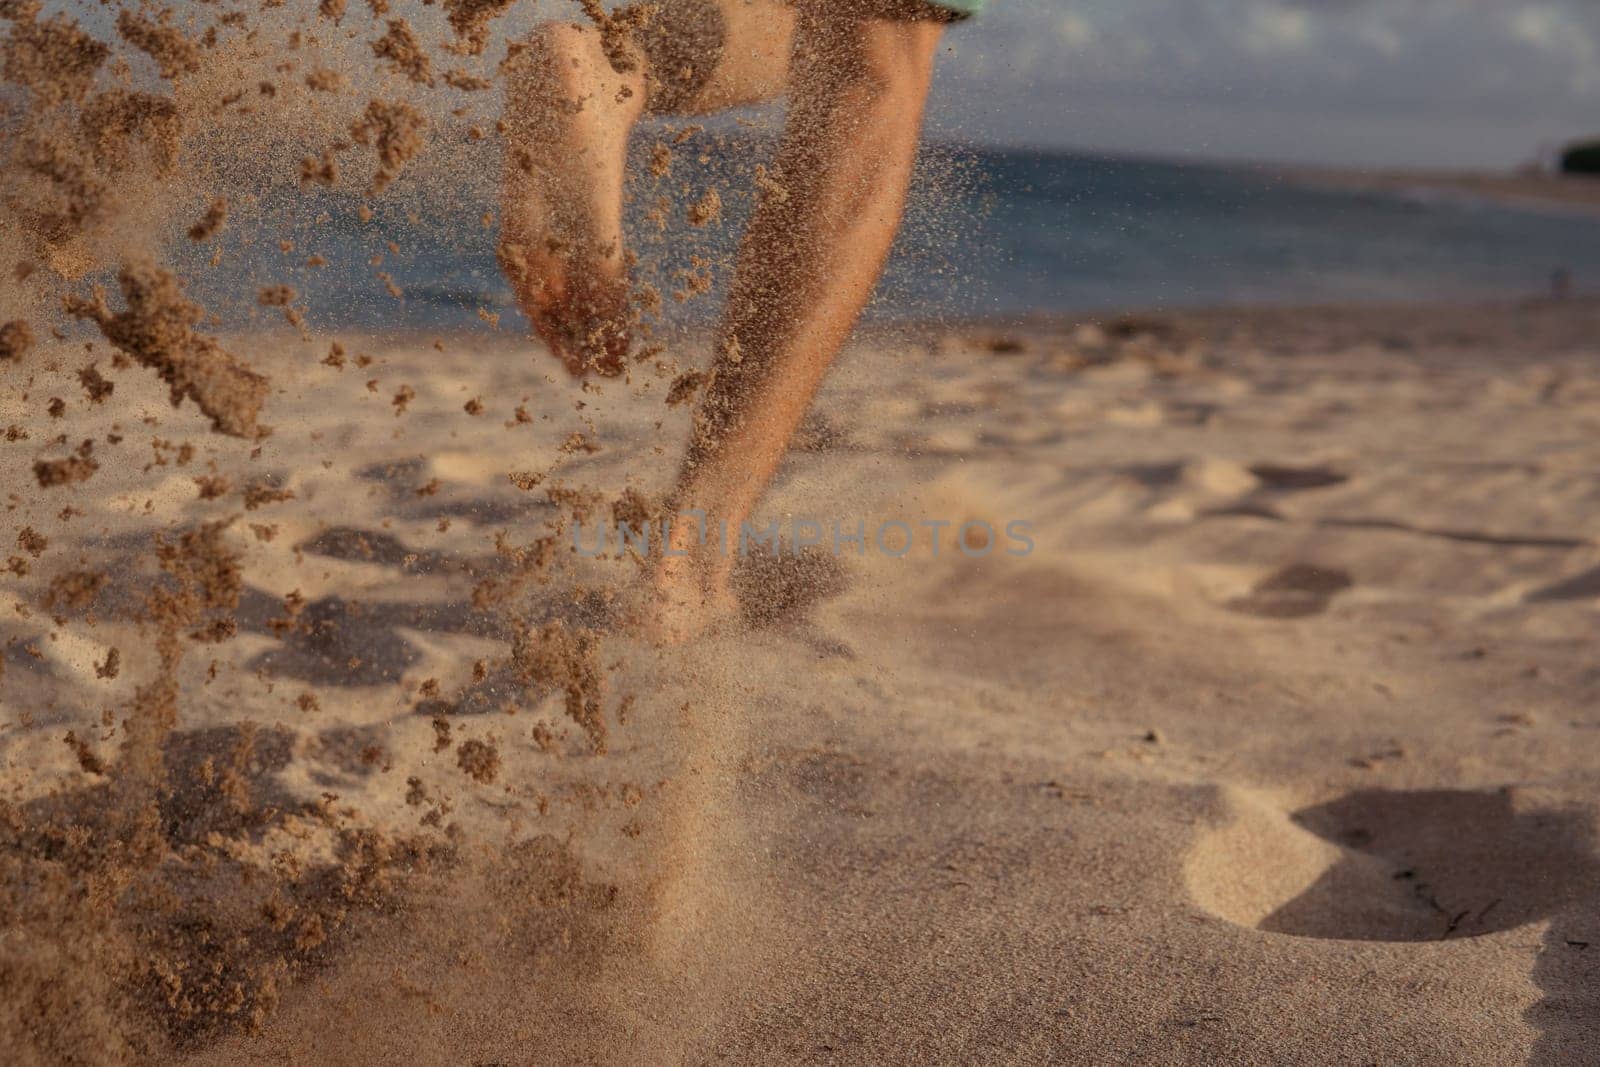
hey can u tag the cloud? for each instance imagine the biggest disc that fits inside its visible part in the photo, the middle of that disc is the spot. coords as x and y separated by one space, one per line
1493 63
1075 31
1563 36
1270 28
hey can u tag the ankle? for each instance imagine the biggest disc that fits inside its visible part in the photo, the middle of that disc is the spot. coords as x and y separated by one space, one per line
571 60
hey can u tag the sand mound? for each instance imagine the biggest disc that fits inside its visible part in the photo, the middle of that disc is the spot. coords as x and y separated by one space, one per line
1379 865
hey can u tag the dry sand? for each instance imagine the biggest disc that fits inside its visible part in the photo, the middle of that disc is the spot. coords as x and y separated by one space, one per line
1281 746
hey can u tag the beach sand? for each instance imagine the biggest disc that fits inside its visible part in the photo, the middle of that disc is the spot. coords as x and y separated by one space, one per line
1279 747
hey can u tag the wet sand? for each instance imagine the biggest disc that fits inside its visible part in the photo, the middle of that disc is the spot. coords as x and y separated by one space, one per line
1558 191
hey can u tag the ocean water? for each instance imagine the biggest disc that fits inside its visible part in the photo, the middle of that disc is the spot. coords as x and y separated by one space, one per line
987 234
1070 232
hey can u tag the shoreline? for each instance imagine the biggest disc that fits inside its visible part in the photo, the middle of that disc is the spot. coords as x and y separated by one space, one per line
1582 306
1566 193
1579 312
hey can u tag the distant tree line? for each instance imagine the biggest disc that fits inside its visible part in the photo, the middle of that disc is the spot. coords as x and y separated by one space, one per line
1581 157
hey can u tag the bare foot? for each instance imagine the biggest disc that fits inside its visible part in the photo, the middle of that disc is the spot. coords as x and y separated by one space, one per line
568 116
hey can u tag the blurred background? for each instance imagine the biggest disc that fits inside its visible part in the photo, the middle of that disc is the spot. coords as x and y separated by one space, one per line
1388 83
1087 156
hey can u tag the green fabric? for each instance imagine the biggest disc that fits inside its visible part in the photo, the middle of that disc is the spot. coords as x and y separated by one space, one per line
965 7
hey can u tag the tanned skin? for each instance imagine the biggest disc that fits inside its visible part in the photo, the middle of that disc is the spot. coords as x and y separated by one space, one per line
857 74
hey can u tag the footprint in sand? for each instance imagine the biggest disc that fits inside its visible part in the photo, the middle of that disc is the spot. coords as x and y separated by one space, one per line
1382 865
342 643
1585 586
1286 479
355 545
1297 591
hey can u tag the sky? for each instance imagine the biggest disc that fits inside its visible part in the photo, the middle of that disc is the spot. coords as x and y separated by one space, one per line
1391 83
1425 83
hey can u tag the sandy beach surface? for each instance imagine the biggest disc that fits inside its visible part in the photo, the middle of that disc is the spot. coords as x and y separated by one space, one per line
1280 746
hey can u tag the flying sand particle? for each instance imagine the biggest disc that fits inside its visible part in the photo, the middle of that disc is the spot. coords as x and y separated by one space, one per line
157 330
